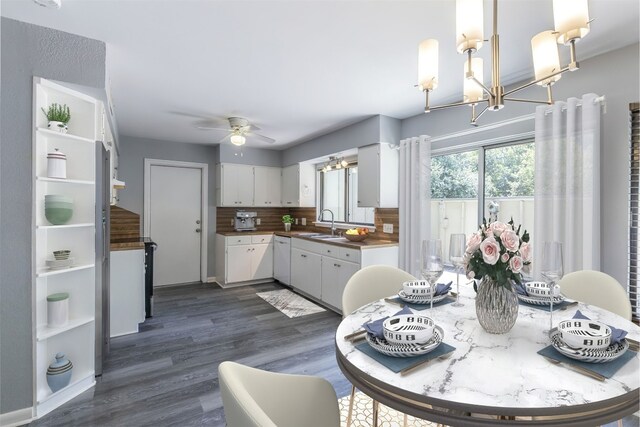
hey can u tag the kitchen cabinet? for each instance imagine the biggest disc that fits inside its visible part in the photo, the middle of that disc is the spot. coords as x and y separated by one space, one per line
235 185
267 185
378 171
306 270
126 293
335 275
282 259
298 185
244 258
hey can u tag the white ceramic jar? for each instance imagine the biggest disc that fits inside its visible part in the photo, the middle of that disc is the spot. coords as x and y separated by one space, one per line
57 310
57 164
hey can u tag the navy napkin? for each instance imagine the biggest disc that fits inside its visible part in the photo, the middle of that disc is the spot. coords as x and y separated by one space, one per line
521 289
375 327
442 289
617 335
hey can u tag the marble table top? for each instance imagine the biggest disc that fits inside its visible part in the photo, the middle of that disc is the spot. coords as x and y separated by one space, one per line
498 371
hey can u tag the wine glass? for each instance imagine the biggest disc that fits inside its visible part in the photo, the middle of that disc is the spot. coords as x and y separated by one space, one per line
457 246
432 266
552 270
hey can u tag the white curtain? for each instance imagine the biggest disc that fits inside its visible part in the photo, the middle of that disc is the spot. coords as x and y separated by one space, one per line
414 201
567 182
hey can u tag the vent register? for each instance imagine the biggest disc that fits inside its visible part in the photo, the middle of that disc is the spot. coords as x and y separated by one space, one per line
634 207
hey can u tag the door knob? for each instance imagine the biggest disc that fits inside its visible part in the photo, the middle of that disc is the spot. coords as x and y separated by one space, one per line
197 230
198 221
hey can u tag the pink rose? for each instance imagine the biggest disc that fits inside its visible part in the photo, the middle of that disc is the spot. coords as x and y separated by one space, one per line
516 264
504 257
471 275
490 250
510 240
525 252
498 227
474 242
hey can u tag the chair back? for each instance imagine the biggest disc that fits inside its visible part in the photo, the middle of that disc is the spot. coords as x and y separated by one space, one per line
256 398
599 289
370 284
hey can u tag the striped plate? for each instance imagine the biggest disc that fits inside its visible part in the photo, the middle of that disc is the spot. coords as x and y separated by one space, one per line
588 354
406 350
420 299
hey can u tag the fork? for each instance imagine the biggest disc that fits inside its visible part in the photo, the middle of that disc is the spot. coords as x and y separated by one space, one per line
591 374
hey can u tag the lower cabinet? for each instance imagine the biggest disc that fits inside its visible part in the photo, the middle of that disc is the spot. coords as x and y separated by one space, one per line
126 293
244 258
335 275
306 270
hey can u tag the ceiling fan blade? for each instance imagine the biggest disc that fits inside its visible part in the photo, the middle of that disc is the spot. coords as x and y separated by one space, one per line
213 128
262 138
253 127
226 138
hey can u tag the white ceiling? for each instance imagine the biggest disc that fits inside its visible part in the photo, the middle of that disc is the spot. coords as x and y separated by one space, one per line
295 68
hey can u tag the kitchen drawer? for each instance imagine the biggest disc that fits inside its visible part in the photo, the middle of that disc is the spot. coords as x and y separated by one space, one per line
262 238
331 250
307 245
238 240
347 254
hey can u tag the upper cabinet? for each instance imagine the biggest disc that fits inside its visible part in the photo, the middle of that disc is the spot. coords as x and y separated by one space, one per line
234 185
298 186
378 176
267 186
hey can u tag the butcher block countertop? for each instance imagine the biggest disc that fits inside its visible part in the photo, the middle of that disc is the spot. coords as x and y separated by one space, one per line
367 244
125 230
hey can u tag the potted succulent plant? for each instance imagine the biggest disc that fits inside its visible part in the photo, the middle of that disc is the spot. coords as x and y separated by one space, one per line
58 117
287 220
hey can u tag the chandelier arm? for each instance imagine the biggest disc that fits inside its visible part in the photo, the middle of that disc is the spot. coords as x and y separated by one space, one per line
533 101
478 82
456 104
475 119
531 83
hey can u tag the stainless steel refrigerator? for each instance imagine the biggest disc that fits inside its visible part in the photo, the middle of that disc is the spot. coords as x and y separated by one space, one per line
103 232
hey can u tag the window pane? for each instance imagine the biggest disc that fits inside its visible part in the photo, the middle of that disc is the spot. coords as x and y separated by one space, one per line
454 196
356 214
509 181
333 194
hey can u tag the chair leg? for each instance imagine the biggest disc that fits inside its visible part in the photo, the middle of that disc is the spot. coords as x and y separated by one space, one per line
404 421
353 395
375 414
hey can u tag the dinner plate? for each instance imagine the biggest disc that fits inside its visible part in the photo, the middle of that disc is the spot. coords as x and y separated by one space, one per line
590 355
420 299
406 350
529 299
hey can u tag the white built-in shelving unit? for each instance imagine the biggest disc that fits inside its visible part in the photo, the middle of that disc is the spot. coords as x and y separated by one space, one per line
77 338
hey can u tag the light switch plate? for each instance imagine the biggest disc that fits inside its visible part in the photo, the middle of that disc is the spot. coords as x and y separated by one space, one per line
296 221
257 221
387 228
304 221
232 222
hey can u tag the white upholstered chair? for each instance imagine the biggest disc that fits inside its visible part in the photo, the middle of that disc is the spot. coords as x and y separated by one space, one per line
256 398
368 285
599 289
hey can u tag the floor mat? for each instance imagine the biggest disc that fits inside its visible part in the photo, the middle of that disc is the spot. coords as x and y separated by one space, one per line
289 303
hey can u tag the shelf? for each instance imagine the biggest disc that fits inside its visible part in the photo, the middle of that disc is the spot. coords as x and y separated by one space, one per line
45 273
53 227
65 181
88 377
46 332
68 136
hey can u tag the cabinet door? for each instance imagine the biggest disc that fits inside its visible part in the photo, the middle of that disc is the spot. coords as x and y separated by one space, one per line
262 261
369 176
346 270
290 180
282 261
306 270
229 187
331 290
238 263
267 186
244 181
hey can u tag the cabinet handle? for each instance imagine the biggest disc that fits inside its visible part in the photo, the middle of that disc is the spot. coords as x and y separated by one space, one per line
303 255
347 255
288 203
336 265
328 251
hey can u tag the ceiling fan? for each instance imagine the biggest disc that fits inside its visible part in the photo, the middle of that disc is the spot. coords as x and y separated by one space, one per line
239 130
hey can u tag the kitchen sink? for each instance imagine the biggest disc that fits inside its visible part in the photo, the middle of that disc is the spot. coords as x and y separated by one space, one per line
321 236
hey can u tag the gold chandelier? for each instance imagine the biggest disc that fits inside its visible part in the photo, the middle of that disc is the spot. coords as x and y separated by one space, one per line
571 20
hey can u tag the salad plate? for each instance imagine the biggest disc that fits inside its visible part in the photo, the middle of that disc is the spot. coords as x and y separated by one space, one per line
535 300
588 354
406 350
420 299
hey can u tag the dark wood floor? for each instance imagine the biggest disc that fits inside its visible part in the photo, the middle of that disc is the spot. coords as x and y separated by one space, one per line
167 375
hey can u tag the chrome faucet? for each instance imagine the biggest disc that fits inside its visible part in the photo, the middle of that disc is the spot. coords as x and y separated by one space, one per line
333 226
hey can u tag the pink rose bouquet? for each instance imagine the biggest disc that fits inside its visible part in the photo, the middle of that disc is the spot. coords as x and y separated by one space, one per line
497 250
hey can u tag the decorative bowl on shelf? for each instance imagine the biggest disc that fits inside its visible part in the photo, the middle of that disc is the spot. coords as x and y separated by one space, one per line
408 329
584 334
58 209
416 288
61 254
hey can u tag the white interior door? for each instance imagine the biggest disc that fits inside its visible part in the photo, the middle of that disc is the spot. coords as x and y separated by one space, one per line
175 223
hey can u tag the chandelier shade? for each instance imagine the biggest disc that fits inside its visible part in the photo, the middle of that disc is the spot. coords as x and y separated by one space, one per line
469 22
546 60
571 19
428 64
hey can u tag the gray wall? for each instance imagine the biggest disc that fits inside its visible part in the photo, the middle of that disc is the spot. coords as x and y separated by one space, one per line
27 51
250 156
615 75
133 151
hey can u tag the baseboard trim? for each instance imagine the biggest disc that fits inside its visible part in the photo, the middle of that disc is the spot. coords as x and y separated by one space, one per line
17 418
211 279
240 284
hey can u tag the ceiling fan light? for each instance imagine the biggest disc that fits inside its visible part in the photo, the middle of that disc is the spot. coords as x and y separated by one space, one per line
428 64
545 57
571 19
469 21
472 90
238 139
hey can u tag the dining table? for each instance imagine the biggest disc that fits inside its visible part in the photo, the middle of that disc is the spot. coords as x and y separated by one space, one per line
492 379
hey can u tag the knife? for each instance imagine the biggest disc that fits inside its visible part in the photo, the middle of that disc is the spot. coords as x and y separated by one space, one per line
354 335
571 304
416 365
594 375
